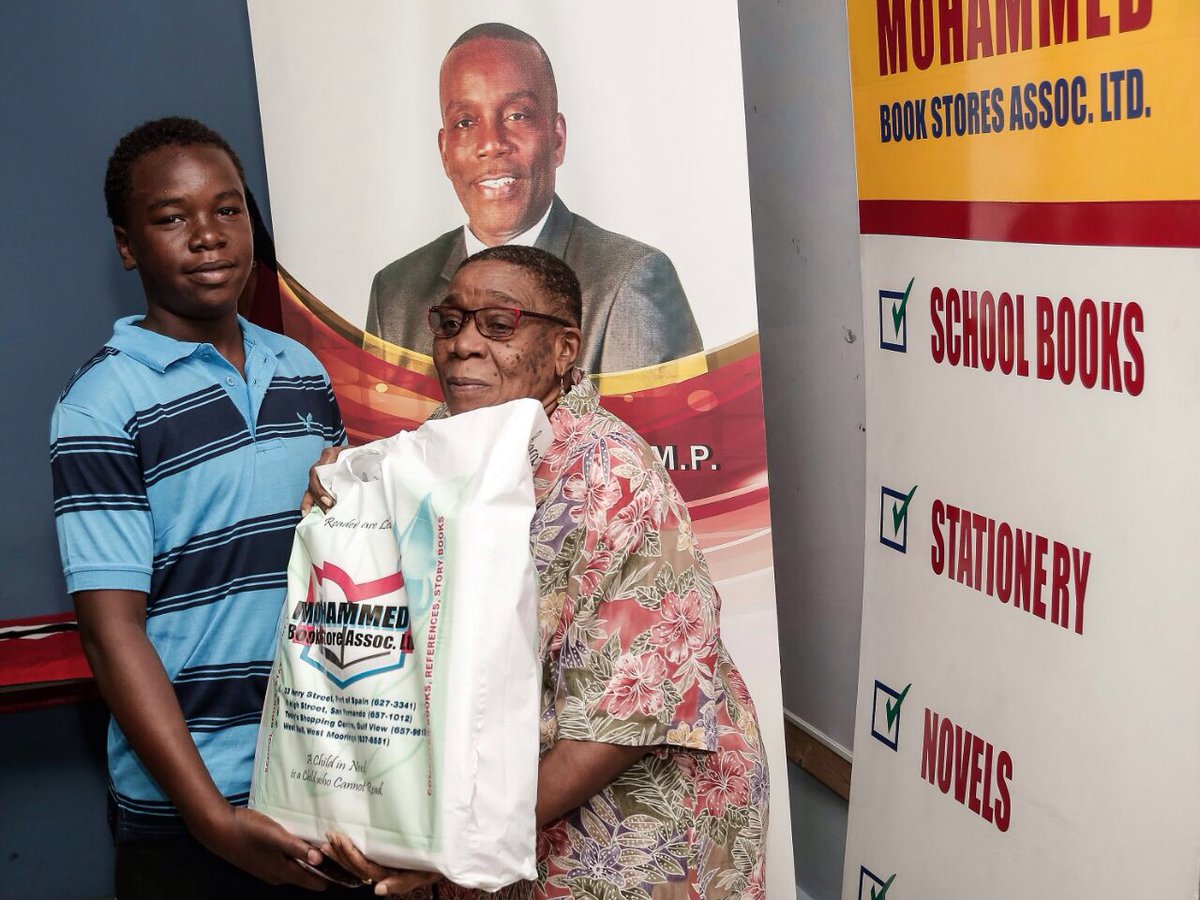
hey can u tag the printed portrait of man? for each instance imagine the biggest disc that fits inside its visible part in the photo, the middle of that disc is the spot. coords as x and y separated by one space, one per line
501 141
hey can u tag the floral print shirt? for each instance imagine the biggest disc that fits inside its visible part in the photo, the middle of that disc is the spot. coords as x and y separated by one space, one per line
631 645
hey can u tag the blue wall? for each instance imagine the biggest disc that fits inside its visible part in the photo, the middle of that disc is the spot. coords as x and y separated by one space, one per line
77 76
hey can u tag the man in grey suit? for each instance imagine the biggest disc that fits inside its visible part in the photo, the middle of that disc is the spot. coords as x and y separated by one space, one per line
502 140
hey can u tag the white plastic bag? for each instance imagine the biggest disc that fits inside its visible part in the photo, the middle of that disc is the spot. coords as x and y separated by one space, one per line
403 705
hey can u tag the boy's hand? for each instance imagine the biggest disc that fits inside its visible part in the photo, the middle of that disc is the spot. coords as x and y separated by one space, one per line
260 846
316 492
132 680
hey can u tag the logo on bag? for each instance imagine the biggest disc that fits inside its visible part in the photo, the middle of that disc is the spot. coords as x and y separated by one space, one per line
351 631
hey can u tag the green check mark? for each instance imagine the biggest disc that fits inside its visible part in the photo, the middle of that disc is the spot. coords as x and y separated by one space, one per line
880 893
899 512
898 311
893 707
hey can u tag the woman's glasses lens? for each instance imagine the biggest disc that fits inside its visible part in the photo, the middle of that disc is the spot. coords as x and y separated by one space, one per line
445 322
495 323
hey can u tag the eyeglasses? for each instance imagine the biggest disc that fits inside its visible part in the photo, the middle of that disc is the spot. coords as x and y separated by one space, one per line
496 323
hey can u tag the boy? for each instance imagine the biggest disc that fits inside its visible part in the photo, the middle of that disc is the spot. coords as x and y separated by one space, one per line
180 452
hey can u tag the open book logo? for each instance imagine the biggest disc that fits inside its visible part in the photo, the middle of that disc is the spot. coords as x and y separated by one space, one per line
352 630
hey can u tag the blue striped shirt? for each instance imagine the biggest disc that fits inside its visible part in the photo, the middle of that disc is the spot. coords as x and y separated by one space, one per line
177 477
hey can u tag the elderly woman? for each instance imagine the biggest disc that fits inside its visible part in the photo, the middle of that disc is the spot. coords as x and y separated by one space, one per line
652 781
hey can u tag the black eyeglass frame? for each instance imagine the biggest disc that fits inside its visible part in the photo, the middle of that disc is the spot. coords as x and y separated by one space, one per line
436 311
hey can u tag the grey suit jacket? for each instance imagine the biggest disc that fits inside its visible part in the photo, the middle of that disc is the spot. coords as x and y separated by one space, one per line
634 310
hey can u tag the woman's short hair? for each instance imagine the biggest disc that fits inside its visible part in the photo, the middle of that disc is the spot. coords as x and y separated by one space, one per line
555 276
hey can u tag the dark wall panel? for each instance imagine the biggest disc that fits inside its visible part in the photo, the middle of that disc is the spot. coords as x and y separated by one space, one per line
76 76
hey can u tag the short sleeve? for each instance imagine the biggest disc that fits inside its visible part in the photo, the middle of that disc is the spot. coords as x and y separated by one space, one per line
335 432
640 648
101 512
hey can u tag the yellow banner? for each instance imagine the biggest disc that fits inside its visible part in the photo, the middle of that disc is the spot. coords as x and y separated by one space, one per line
1026 100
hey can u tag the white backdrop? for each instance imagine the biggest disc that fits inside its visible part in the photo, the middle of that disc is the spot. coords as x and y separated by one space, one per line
656 143
656 150
1102 727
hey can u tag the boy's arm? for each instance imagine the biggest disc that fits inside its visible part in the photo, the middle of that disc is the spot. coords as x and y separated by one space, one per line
132 680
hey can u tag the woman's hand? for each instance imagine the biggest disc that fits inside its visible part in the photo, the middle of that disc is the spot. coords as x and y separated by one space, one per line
316 492
388 882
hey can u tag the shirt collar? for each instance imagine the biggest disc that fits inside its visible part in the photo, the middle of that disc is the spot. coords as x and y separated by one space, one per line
524 239
157 351
583 398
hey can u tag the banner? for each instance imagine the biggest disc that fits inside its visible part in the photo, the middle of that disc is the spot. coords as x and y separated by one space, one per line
1027 720
642 188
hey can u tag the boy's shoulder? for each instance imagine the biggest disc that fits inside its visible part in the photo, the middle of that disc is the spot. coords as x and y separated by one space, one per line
124 367
101 384
89 377
128 373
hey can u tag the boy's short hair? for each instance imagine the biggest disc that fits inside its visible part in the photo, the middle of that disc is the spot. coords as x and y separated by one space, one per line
146 138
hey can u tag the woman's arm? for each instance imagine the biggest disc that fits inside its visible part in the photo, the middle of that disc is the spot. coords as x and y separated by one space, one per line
575 771
569 775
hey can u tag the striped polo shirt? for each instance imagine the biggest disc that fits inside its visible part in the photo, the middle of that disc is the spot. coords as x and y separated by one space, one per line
177 477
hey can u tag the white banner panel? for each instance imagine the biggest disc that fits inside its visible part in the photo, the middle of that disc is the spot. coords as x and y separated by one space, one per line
1027 716
1027 719
654 151
638 85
